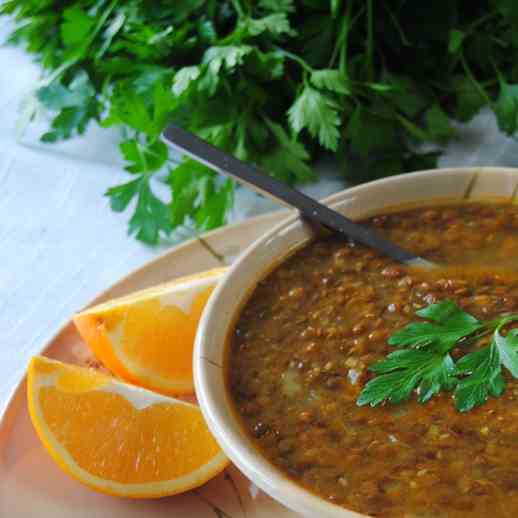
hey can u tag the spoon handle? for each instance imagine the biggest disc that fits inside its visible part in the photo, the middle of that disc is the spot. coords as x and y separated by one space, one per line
311 209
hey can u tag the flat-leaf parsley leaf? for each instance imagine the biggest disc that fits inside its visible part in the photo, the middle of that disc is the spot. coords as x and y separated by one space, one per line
423 363
483 371
404 371
448 325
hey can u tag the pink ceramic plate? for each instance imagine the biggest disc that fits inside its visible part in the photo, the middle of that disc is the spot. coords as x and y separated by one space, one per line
31 485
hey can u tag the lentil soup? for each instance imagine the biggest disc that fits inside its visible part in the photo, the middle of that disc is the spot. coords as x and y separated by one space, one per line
298 357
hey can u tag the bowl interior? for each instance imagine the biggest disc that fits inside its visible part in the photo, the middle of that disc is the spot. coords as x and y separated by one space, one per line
209 358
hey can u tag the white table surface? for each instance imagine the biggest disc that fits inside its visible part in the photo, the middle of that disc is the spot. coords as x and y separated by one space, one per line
59 242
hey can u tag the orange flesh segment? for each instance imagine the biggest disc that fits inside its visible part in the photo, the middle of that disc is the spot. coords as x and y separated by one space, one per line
92 331
147 337
159 336
117 438
107 432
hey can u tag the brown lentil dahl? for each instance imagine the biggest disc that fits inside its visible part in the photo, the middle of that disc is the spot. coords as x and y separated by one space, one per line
299 353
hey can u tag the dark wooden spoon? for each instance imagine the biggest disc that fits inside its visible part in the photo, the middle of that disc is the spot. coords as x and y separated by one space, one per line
309 208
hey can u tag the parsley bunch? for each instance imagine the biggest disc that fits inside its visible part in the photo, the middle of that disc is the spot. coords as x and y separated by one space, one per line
423 362
274 82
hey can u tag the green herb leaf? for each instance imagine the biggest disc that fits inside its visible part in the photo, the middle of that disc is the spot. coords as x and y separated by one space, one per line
287 161
508 350
469 100
426 366
277 24
455 41
448 313
129 108
450 324
319 114
198 196
143 158
121 195
76 27
506 108
183 180
76 104
56 96
69 121
330 79
143 107
183 79
228 56
150 217
402 372
484 378
213 212
438 124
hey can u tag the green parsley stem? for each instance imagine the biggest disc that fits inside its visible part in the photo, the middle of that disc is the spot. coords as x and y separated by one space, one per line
296 59
237 7
473 80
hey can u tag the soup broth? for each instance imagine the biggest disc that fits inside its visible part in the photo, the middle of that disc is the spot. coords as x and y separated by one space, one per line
300 350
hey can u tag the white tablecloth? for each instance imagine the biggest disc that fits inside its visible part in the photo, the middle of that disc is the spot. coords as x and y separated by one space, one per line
59 242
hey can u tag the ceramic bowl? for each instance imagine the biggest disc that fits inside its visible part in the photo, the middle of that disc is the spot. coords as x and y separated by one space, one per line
259 259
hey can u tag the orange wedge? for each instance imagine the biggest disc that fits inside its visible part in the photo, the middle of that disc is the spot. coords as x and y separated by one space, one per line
147 337
117 438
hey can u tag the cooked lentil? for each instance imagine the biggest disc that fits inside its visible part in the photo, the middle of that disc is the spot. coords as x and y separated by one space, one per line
299 353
